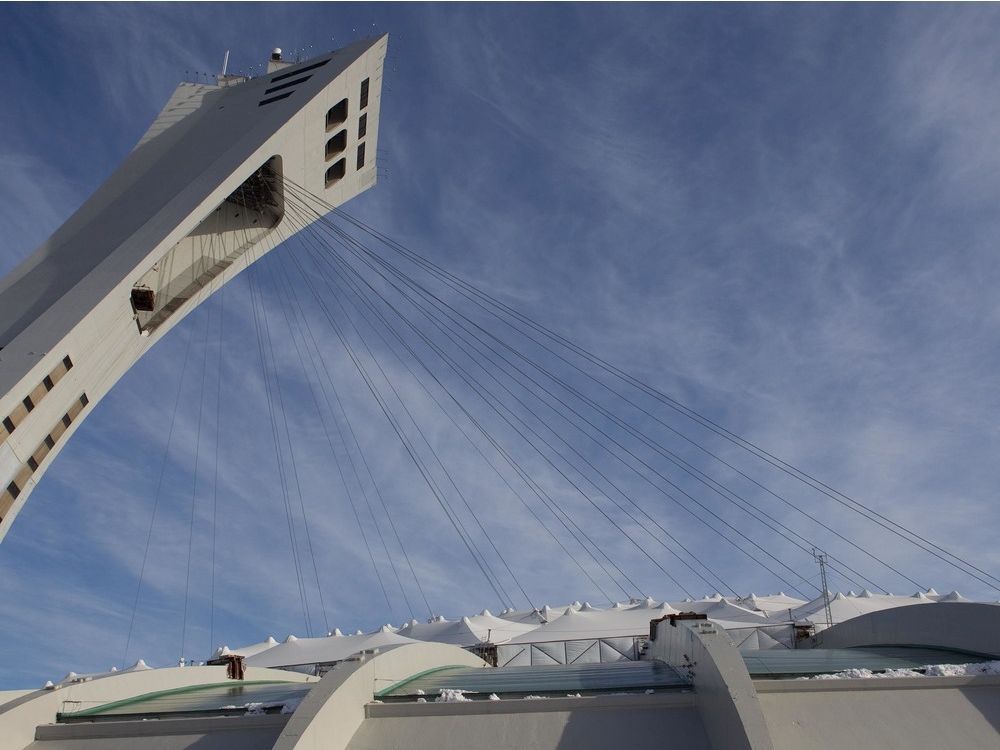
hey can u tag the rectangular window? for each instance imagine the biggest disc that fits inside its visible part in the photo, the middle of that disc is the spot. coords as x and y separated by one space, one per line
298 71
47 382
68 362
362 126
336 144
66 420
361 155
364 94
14 490
336 115
286 85
28 403
336 172
8 424
277 98
84 400
32 463
50 442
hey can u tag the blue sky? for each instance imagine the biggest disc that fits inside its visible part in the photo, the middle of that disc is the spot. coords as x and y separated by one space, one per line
785 216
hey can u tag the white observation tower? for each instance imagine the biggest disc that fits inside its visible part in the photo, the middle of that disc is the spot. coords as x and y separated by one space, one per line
191 206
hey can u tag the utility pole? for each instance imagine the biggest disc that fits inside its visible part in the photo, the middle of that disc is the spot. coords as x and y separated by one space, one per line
820 557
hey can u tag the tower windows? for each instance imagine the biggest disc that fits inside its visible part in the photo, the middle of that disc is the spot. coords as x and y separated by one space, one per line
336 172
362 126
336 115
364 94
361 155
336 144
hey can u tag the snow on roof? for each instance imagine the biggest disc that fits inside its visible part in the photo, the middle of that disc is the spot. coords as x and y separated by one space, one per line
321 650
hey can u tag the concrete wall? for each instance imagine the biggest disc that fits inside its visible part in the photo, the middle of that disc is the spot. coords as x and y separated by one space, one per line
955 625
329 716
637 722
904 714
20 717
725 694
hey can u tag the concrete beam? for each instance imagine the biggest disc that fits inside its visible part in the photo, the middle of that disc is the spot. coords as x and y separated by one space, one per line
724 693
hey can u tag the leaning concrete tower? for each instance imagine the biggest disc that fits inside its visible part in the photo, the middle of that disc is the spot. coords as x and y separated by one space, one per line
199 198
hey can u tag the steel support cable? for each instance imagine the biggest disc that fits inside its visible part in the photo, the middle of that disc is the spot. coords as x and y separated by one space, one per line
424 472
194 479
569 463
769 458
477 448
639 508
760 453
575 525
715 486
467 378
215 469
715 515
277 447
337 463
584 476
298 315
568 518
503 479
297 307
294 468
354 441
634 457
461 530
258 331
615 455
444 469
291 453
570 481
437 459
157 496
633 503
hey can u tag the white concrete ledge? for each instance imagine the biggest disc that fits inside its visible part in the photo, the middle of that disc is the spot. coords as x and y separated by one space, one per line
160 727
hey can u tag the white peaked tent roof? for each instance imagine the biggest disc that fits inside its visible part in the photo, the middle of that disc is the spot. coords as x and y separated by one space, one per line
321 650
247 651
139 666
726 613
598 623
468 631
538 616
773 604
844 607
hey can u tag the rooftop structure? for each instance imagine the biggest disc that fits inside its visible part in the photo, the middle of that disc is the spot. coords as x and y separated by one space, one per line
937 667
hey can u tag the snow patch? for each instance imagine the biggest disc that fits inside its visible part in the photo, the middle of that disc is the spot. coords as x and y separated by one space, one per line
931 670
452 695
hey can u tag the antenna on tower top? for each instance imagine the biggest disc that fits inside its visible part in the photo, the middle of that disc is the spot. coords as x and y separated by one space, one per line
225 63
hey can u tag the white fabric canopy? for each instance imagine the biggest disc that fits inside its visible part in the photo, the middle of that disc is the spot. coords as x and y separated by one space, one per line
330 648
251 650
469 631
598 623
844 607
